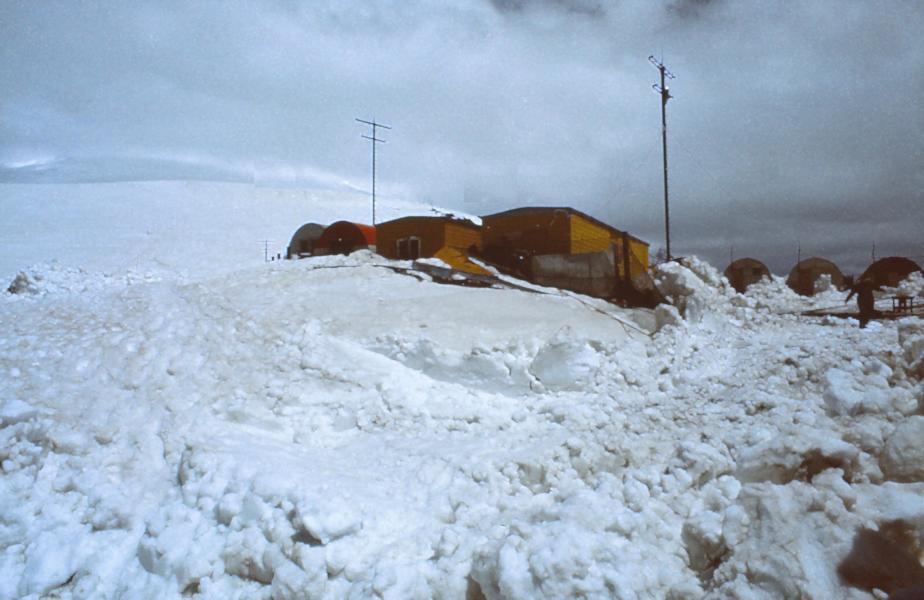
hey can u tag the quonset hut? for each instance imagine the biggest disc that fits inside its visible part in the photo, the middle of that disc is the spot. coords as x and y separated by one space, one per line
804 275
303 240
890 271
745 271
344 237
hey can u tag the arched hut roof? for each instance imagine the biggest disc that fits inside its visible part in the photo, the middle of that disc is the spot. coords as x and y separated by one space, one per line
803 276
345 237
304 238
890 271
745 271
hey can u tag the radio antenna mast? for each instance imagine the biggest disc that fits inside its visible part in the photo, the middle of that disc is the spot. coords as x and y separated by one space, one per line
375 140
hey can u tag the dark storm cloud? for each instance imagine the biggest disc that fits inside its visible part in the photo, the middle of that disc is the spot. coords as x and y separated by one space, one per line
792 124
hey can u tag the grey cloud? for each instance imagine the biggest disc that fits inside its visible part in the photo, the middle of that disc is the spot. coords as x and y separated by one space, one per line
790 121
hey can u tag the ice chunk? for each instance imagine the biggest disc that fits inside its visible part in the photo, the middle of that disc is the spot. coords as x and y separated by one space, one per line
330 524
902 458
850 393
796 455
292 583
16 411
565 364
702 536
666 314
911 339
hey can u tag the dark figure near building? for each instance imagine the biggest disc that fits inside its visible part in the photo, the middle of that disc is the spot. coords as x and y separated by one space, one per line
863 290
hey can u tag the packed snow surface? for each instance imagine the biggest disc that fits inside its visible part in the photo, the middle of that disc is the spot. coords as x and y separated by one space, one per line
337 427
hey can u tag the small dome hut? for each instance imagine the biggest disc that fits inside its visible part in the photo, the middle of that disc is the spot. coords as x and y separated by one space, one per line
803 276
745 271
303 240
890 271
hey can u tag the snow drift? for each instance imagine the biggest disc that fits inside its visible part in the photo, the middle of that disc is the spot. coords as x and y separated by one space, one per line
333 428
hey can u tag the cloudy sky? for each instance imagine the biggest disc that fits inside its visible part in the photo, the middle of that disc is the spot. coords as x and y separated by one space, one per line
794 124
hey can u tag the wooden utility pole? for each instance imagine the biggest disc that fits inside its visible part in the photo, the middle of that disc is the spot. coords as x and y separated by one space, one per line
375 140
665 96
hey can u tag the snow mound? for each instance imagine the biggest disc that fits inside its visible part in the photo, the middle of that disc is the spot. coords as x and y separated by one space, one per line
775 295
53 278
565 363
24 283
693 286
499 368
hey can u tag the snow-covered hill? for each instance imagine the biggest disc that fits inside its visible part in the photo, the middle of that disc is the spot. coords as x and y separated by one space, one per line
172 227
333 428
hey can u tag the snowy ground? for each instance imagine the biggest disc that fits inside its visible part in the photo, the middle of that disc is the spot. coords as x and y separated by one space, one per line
332 428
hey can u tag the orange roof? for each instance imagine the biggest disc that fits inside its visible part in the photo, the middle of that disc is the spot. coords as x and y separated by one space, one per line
358 233
368 232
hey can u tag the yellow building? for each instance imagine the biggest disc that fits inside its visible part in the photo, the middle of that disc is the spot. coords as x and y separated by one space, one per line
516 235
450 240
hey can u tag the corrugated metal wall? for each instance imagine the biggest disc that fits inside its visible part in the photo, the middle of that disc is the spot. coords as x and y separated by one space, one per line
540 231
461 236
587 236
